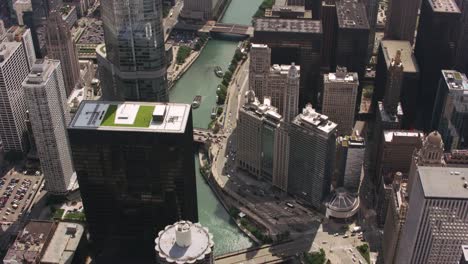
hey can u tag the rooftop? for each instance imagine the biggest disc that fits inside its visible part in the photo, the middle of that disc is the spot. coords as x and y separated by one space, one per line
40 72
132 116
64 243
455 80
173 243
309 117
400 135
444 6
30 242
351 14
390 48
265 109
444 182
341 76
93 33
288 25
465 252
6 49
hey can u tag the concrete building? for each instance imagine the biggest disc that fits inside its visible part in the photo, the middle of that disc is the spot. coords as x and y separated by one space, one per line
401 20
339 98
20 7
278 82
13 69
135 165
394 157
60 46
395 219
46 243
408 87
437 220
202 9
262 141
349 161
132 65
298 41
438 18
289 10
431 154
311 156
450 116
23 35
352 37
464 257
184 242
44 91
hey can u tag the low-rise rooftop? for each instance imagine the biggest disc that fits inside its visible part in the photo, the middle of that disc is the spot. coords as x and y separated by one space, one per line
64 243
310 118
400 136
390 48
351 14
341 76
288 25
444 182
132 116
456 81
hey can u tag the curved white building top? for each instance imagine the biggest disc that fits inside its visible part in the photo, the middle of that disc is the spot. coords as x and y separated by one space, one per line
169 241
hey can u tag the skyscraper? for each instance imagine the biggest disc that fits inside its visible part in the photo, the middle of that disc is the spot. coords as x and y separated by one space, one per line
132 65
339 98
60 46
394 84
278 82
136 172
461 60
372 9
450 116
352 37
329 24
438 18
311 156
401 20
13 69
202 9
437 219
44 90
262 141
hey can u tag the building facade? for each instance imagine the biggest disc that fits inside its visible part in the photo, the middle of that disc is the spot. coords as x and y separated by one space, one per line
132 63
401 20
339 98
46 99
349 162
311 156
437 220
202 9
60 46
450 116
13 70
278 82
438 18
136 171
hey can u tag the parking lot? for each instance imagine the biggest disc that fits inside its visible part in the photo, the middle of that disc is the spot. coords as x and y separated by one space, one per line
17 191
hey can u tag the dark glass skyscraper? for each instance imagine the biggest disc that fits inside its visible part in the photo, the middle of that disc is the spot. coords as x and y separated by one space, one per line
132 64
135 167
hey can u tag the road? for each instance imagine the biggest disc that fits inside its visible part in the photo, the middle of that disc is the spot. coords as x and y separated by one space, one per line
170 21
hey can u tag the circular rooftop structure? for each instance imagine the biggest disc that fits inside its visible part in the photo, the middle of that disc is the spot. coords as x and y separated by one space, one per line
434 138
342 204
184 242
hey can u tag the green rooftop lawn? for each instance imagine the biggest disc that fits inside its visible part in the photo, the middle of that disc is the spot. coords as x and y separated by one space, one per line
143 118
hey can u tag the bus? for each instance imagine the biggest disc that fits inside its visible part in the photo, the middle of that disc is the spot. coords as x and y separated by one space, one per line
290 205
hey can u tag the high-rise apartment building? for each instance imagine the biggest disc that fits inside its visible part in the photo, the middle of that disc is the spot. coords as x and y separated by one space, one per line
352 37
311 156
298 41
278 82
132 64
388 69
450 116
401 20
438 18
13 70
60 46
339 98
262 141
202 9
136 171
394 157
437 220
44 91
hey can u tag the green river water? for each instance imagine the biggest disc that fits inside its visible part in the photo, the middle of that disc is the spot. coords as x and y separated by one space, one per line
200 80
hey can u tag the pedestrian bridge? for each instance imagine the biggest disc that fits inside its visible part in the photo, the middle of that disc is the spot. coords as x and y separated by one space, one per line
232 29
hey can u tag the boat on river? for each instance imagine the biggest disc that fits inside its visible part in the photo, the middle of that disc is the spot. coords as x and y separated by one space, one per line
196 101
219 71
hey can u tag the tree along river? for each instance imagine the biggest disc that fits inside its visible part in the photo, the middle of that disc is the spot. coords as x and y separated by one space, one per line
201 80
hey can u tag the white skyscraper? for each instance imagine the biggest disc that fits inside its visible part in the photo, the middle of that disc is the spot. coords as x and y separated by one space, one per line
436 225
44 90
13 69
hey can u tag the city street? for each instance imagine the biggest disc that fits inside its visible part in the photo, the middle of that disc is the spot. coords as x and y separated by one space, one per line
171 20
